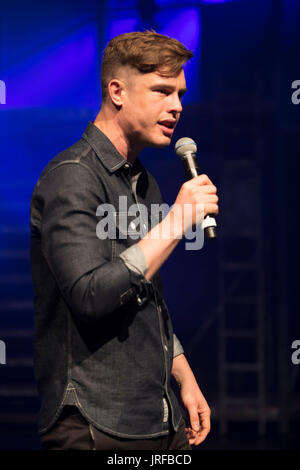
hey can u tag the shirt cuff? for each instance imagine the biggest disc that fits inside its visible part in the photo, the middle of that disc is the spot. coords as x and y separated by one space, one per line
134 259
177 347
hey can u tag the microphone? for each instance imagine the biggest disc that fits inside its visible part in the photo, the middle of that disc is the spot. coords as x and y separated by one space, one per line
186 149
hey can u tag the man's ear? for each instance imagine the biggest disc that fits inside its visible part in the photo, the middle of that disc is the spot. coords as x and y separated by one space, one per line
115 89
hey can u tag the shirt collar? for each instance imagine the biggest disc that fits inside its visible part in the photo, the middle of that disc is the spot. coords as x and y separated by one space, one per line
106 151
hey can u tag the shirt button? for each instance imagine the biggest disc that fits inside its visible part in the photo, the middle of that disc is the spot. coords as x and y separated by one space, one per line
166 347
132 225
145 226
126 165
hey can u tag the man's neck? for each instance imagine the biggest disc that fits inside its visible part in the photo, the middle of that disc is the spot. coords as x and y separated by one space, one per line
107 122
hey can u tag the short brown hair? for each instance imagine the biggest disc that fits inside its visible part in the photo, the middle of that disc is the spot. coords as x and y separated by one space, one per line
145 51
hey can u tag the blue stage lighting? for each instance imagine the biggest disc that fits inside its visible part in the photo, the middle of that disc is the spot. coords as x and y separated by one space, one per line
217 1
66 70
185 25
172 3
122 26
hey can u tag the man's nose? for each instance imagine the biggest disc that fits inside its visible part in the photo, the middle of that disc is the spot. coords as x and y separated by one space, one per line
176 105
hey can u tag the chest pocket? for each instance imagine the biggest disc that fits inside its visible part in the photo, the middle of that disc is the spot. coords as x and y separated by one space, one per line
129 228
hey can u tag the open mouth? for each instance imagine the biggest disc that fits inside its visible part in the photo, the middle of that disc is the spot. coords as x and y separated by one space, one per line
167 126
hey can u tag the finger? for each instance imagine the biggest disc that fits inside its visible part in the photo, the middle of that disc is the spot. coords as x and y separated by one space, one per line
205 419
209 198
195 437
203 179
205 427
191 435
194 419
188 432
209 188
198 437
211 209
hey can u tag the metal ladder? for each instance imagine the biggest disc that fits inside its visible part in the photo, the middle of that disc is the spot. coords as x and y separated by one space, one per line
241 310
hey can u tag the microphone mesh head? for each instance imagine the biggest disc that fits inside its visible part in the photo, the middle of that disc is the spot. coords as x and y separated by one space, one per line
183 145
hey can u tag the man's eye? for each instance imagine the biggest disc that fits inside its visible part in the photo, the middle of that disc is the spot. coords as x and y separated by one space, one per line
164 92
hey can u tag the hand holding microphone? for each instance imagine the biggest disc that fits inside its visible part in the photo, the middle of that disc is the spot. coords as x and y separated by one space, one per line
199 189
197 197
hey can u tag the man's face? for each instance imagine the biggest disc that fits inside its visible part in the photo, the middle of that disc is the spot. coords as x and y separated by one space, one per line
151 108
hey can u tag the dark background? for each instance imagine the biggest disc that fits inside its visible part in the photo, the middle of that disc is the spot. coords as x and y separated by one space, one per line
234 303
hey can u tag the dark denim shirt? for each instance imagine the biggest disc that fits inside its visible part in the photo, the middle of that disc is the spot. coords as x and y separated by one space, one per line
101 330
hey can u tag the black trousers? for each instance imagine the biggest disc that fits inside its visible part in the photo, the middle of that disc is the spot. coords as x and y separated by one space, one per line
73 432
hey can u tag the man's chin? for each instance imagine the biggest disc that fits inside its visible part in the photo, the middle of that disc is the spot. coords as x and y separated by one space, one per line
163 142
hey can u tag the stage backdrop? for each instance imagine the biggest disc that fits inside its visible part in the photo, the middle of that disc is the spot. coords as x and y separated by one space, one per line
234 303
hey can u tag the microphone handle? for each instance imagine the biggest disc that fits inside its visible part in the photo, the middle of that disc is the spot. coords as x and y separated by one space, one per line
192 170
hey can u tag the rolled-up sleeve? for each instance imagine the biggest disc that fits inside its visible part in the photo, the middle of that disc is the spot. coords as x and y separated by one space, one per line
135 260
178 349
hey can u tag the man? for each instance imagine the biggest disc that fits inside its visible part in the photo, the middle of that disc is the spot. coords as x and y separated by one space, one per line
104 345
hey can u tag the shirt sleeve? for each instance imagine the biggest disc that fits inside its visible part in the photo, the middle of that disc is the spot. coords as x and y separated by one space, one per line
134 259
92 284
178 349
